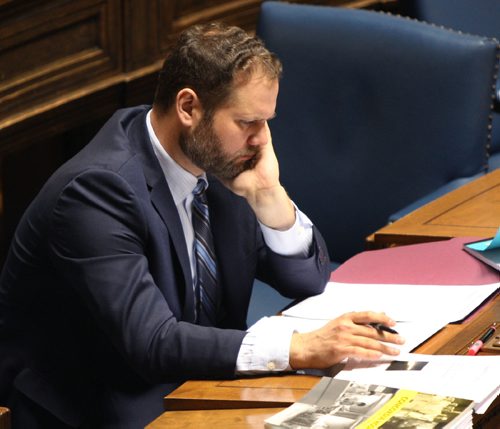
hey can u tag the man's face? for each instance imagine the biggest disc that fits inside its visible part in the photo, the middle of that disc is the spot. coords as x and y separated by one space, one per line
229 142
205 149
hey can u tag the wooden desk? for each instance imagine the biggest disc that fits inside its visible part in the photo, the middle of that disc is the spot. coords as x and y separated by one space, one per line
472 210
249 418
283 390
4 418
241 402
279 390
454 338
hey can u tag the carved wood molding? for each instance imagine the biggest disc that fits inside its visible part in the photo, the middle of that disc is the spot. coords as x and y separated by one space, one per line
232 11
55 51
88 103
47 51
65 64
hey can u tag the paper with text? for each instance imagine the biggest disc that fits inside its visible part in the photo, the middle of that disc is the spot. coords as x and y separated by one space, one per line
470 377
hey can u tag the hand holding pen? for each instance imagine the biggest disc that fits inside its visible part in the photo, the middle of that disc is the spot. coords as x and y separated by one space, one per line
382 328
478 344
357 334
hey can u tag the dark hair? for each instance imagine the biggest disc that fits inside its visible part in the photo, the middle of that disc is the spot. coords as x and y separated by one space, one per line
207 58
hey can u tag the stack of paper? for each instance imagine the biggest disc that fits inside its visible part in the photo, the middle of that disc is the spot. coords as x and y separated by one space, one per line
471 377
403 303
420 311
334 403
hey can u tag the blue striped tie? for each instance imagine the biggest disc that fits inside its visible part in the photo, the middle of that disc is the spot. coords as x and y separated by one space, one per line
206 284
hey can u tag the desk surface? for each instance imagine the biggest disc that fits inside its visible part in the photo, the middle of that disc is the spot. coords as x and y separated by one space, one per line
246 403
250 418
5 418
472 210
282 390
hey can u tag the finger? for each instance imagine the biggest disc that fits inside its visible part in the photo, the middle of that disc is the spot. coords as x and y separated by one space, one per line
351 334
379 325
369 354
375 347
361 352
360 324
381 334
268 130
366 317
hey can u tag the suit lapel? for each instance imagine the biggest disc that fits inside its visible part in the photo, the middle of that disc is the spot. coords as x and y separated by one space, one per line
163 202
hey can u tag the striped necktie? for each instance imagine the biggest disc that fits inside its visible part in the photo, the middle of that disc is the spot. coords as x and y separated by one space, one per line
206 267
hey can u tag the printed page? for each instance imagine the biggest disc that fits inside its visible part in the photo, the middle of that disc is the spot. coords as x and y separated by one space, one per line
403 303
470 377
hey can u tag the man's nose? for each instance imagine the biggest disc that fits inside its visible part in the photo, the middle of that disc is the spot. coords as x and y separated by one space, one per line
259 137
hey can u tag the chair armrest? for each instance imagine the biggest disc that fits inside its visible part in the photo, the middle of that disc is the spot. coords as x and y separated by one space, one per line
448 187
494 161
496 99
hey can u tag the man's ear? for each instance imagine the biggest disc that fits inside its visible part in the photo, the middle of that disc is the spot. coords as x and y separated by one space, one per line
188 107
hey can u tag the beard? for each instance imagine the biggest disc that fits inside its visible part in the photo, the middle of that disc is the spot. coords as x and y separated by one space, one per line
204 148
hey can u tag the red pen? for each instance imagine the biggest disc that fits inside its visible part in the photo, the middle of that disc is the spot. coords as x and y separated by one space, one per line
478 344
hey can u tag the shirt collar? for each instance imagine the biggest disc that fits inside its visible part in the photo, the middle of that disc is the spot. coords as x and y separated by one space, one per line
181 182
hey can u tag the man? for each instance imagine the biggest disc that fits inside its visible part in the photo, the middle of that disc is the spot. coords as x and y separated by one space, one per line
111 296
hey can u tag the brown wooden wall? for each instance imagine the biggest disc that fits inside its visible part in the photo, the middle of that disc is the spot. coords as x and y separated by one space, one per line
66 66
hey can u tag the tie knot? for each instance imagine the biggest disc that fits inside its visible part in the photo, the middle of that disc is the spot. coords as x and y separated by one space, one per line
200 187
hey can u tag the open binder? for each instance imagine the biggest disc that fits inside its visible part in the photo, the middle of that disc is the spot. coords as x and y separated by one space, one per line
438 263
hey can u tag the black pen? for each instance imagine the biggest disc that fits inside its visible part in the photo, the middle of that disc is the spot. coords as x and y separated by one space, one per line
380 327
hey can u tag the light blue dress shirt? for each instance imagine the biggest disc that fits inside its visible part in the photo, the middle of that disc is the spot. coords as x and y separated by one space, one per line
266 346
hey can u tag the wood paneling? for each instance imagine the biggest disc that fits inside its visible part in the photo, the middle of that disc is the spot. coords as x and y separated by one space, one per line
57 47
66 66
4 418
240 12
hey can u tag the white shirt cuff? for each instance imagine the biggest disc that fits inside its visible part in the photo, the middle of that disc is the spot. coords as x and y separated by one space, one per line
265 348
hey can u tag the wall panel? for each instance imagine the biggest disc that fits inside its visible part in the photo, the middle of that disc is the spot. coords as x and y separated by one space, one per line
66 66
58 47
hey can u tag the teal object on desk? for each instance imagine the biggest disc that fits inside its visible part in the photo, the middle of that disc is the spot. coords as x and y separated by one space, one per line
487 251
489 244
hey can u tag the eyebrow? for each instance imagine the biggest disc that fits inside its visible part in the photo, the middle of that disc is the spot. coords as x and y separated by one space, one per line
261 119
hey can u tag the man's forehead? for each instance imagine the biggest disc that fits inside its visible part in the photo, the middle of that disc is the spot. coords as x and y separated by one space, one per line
253 74
257 93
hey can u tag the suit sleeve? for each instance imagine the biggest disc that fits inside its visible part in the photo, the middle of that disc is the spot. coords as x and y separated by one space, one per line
297 276
99 241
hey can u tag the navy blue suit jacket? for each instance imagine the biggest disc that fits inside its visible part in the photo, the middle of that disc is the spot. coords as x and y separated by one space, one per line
96 296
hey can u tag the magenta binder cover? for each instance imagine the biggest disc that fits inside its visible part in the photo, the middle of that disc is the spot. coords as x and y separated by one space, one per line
434 263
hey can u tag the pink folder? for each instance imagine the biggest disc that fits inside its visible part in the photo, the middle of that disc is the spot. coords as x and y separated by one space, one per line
434 263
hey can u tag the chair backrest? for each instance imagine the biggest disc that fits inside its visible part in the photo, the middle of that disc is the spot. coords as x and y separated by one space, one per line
374 112
472 16
480 17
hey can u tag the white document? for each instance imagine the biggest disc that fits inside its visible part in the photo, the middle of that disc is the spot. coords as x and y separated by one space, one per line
403 303
469 377
415 333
